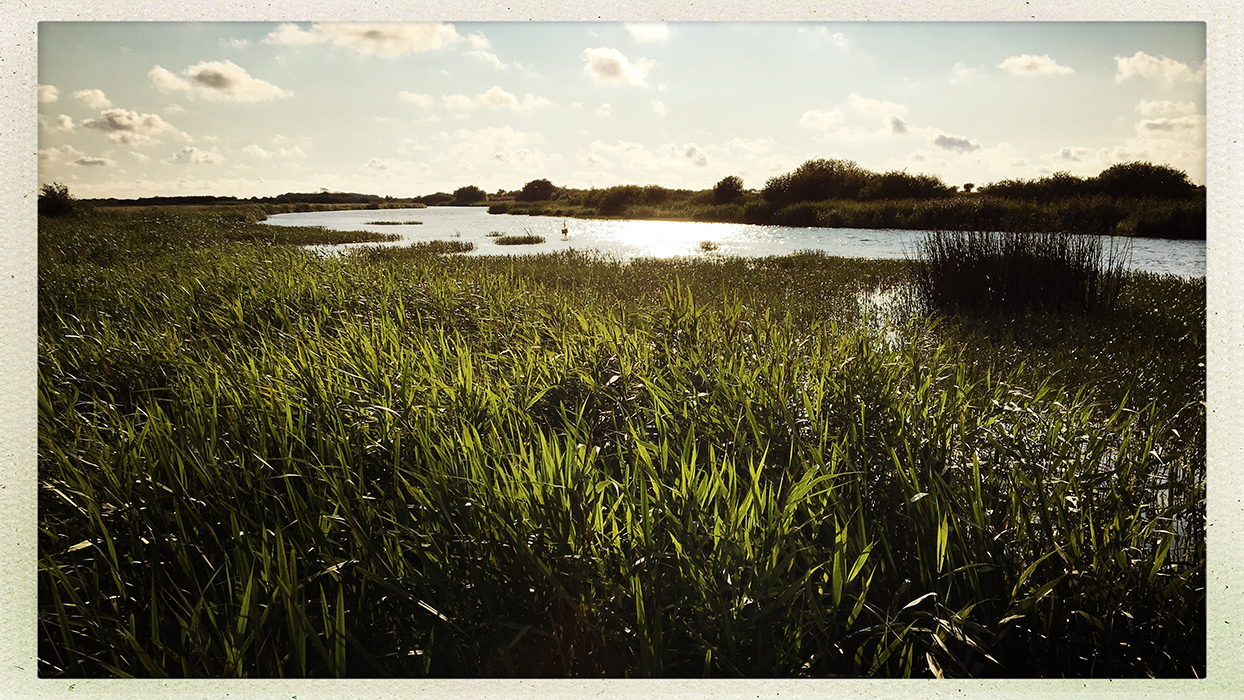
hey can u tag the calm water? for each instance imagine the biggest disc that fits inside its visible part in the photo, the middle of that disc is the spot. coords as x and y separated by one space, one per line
627 239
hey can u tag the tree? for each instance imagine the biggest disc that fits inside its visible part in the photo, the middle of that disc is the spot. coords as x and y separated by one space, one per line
967 187
469 195
817 180
1144 179
536 191
55 200
728 190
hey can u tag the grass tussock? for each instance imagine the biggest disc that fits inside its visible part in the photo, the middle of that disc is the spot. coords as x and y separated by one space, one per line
525 239
981 272
258 462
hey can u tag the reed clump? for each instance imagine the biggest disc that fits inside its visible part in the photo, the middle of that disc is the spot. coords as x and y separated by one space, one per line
980 272
254 461
524 239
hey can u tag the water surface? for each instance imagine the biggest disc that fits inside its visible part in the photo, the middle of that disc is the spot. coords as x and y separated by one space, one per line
630 238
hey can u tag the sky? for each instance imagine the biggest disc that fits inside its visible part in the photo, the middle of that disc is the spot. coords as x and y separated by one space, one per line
134 109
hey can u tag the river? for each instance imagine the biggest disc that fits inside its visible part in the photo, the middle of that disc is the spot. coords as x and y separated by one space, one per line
630 238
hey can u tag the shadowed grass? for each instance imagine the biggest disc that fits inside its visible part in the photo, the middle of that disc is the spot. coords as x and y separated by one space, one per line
257 462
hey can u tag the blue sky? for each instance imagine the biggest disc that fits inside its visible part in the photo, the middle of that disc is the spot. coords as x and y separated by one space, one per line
132 109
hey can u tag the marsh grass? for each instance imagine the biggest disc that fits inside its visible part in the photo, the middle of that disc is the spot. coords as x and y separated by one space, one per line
524 239
257 462
394 223
980 272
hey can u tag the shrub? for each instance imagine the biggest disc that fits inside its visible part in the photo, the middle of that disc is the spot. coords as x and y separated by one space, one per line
983 273
469 195
536 191
816 180
55 200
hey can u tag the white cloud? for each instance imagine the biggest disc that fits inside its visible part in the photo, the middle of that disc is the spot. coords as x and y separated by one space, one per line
603 110
817 119
895 125
658 107
836 38
129 128
875 108
1191 125
487 57
496 98
648 32
174 108
416 98
479 41
957 144
669 155
385 39
962 72
50 156
1158 68
1029 64
238 43
94 99
48 93
608 66
1153 108
192 155
751 146
89 161
62 122
1071 154
217 80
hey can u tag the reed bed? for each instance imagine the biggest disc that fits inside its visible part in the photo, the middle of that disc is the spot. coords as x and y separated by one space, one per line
258 462
1011 272
525 239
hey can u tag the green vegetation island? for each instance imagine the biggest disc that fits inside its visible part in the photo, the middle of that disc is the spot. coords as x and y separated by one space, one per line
986 461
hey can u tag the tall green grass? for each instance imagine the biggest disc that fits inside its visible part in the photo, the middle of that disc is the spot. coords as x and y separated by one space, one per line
257 462
1012 272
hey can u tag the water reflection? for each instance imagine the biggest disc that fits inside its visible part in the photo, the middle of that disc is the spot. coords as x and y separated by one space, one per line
626 239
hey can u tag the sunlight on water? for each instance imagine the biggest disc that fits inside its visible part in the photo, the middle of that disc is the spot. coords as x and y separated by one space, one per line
626 239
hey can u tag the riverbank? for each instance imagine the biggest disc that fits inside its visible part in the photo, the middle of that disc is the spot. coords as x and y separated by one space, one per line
1147 218
255 461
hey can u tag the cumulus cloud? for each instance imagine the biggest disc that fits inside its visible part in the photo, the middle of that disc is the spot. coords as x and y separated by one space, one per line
217 80
636 156
260 152
71 156
1071 154
836 38
50 156
658 107
48 93
958 144
603 110
1190 125
496 98
610 66
648 32
875 108
752 146
689 154
817 119
129 128
1153 108
895 125
962 72
1029 64
385 39
94 99
195 156
487 57
1161 68
416 98
62 122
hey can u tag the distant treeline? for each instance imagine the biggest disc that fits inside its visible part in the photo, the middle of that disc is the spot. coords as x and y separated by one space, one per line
1138 198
